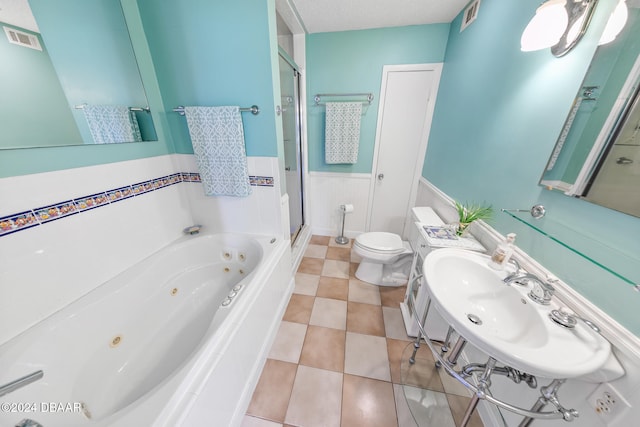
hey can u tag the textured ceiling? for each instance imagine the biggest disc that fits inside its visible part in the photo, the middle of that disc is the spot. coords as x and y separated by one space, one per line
18 13
341 15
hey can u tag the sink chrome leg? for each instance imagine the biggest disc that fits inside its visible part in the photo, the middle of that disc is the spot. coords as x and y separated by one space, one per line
472 407
416 343
484 382
549 395
455 352
445 346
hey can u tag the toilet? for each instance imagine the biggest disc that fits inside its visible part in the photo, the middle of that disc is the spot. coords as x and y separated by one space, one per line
386 258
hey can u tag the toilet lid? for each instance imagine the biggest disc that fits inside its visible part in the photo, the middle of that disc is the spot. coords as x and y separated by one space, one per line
380 241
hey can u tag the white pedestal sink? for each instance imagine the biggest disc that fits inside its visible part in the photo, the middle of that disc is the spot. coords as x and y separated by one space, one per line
512 329
504 322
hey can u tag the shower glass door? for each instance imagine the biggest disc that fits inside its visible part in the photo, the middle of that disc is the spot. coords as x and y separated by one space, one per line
289 91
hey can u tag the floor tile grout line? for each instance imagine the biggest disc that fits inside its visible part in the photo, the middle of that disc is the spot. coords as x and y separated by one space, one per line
391 382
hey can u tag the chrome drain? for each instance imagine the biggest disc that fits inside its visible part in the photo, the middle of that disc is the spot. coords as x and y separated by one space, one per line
474 319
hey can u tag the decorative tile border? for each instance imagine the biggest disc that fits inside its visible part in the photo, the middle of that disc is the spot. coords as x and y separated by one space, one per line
261 181
42 215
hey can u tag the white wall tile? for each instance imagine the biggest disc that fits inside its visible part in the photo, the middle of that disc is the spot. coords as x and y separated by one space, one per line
44 268
258 213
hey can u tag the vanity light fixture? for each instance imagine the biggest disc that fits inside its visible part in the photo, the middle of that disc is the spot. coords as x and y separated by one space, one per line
546 27
616 23
559 25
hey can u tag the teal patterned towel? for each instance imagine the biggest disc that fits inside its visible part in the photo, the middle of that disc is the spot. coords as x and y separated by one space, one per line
217 136
342 132
110 124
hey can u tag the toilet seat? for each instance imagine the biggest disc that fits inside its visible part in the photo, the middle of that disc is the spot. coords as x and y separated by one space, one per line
380 242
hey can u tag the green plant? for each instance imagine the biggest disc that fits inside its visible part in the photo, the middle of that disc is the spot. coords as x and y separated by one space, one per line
469 212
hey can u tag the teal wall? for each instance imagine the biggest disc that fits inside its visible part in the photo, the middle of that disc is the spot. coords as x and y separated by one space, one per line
16 162
351 62
215 53
30 94
498 115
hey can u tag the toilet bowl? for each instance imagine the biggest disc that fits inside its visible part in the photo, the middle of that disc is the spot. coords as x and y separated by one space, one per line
386 259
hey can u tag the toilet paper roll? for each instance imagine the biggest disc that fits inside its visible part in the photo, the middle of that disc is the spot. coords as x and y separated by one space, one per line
347 208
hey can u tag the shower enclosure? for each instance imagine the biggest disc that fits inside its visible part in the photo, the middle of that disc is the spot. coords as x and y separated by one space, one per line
290 110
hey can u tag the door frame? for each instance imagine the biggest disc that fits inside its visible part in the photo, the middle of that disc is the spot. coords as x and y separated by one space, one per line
424 139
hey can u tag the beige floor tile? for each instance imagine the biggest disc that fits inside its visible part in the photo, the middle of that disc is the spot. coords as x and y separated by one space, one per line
353 266
315 399
355 257
340 254
365 319
394 324
249 421
311 266
324 348
423 373
333 268
368 402
331 287
429 408
392 296
271 396
458 405
306 284
299 309
360 291
319 240
366 356
405 418
329 313
316 251
395 350
287 345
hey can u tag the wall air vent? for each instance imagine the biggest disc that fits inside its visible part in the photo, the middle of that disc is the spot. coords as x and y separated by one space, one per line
470 14
21 38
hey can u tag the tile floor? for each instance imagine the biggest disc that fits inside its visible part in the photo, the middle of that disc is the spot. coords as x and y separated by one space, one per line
337 359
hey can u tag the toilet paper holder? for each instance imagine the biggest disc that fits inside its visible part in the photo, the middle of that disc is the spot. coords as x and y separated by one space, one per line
341 239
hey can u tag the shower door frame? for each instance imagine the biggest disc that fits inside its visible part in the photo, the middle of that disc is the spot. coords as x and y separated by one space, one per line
298 143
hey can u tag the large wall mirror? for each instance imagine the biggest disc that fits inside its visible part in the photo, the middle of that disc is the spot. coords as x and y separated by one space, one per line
597 156
69 75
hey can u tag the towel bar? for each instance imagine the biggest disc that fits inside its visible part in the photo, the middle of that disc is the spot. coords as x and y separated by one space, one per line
147 109
317 97
254 109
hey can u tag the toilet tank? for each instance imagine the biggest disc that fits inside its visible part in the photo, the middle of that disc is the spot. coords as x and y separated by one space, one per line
424 215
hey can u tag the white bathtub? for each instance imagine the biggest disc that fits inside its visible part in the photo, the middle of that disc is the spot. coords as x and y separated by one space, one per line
139 348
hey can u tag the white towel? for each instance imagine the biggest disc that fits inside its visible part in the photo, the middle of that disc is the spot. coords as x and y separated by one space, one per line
342 132
217 136
110 124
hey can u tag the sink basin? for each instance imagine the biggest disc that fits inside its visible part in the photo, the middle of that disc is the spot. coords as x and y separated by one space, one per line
503 322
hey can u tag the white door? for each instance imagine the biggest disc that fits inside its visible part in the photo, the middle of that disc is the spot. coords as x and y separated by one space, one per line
407 99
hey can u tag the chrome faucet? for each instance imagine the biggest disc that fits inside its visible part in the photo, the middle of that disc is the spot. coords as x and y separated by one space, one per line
569 320
520 276
542 292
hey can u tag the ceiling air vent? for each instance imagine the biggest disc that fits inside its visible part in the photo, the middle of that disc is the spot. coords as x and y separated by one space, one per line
21 38
470 14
